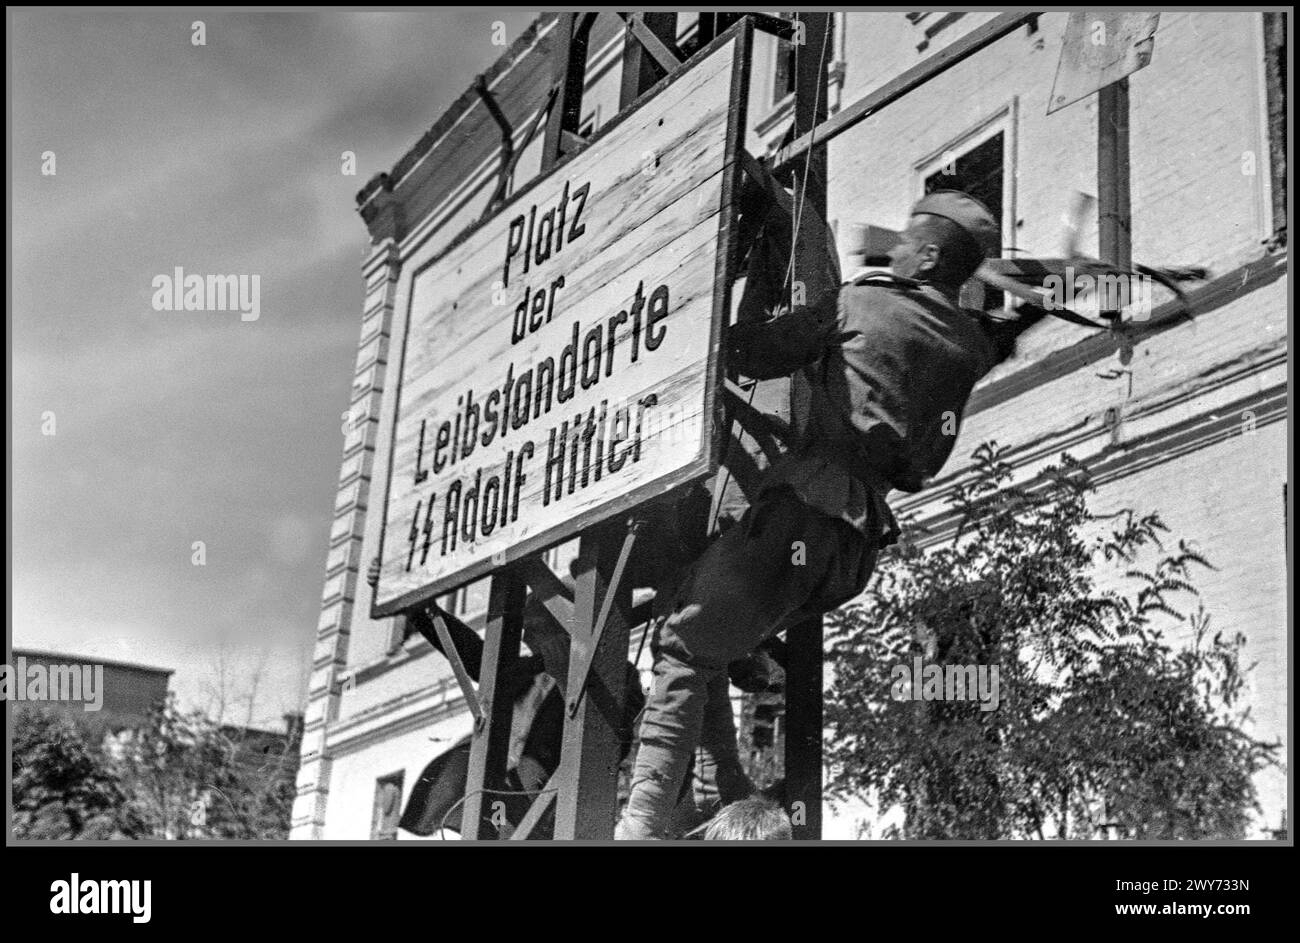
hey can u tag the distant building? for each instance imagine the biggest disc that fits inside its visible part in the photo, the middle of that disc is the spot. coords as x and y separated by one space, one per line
129 691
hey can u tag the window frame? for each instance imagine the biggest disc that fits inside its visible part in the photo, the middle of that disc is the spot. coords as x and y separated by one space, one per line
1003 121
398 779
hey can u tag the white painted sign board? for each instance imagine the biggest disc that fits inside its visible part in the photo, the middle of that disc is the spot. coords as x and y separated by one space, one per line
559 359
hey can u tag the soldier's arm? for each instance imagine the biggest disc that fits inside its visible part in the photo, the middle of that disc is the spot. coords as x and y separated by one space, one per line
787 340
1004 332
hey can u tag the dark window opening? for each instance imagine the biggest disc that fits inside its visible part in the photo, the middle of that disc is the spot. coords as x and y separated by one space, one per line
977 172
388 807
784 79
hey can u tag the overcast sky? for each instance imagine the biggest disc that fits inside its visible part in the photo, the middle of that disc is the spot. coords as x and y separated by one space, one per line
177 427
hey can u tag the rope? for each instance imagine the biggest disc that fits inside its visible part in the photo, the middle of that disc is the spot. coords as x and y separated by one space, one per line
795 220
442 826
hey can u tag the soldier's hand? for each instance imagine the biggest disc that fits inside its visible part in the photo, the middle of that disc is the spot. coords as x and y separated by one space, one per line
372 573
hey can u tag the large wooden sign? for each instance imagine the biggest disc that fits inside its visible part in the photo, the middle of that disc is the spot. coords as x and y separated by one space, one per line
560 358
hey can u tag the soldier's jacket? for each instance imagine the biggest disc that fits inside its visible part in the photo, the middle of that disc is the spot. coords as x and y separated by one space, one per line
891 363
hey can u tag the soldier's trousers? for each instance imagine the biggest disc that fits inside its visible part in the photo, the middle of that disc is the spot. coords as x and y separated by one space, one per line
783 562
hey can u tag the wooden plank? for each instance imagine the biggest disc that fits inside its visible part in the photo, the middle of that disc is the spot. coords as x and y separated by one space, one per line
570 70
804 696
537 810
457 665
668 59
549 590
633 274
491 744
900 85
607 605
586 804
805 653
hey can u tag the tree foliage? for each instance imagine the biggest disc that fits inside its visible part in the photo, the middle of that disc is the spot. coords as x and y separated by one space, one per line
193 778
64 785
179 775
1101 721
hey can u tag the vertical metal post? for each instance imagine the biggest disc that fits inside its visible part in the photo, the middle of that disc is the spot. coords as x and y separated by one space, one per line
1275 64
488 751
570 70
1114 213
711 24
804 677
587 799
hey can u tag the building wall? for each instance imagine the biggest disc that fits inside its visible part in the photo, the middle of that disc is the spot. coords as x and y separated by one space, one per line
1188 423
403 741
129 691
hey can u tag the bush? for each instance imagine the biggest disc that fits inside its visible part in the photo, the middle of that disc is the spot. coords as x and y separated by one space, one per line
1100 724
64 785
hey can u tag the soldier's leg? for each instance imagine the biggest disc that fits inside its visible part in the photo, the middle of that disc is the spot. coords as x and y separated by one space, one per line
720 778
776 560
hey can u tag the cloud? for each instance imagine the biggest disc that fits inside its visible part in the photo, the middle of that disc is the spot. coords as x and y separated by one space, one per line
177 427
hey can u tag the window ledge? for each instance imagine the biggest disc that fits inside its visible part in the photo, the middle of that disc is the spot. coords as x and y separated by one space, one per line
780 112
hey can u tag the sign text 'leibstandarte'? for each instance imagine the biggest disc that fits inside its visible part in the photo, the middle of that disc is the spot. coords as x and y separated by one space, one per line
580 449
558 360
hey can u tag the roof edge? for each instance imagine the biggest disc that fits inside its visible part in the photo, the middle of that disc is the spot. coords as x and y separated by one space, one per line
385 181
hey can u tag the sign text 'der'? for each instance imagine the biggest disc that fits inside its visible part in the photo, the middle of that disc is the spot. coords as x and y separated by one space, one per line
558 363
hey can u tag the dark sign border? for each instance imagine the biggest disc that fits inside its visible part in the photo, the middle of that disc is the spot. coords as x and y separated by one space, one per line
740 33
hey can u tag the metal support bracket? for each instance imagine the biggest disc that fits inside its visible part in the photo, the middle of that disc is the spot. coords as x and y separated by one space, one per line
668 57
508 166
545 799
634 526
550 590
457 664
507 132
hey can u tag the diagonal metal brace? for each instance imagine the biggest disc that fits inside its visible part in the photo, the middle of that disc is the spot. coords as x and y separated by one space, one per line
537 810
778 26
453 655
761 175
507 132
667 58
508 166
634 526
549 590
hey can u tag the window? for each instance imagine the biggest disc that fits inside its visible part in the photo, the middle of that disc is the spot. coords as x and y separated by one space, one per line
931 24
977 172
783 77
388 807
976 165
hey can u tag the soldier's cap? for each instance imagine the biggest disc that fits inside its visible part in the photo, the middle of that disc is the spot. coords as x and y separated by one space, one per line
967 212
